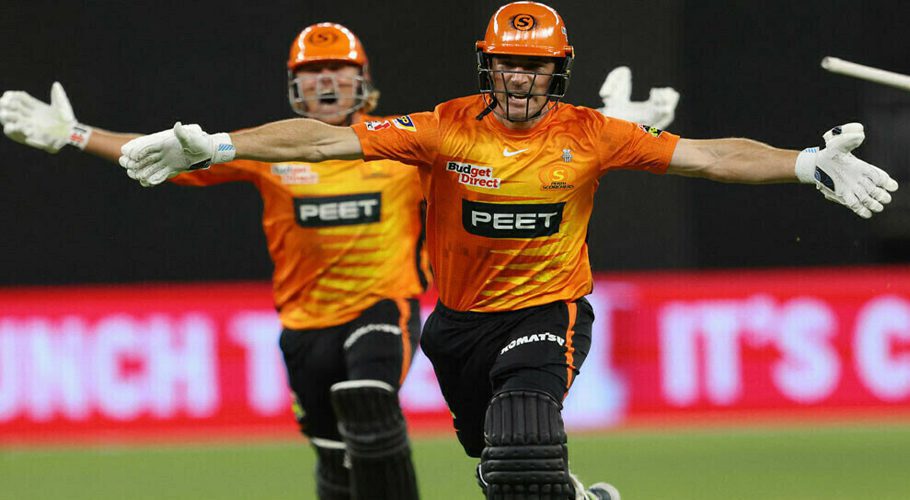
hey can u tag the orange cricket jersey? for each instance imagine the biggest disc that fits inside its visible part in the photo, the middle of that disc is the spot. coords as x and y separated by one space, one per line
342 234
508 210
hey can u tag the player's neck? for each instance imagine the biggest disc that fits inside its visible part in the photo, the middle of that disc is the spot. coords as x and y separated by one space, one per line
522 125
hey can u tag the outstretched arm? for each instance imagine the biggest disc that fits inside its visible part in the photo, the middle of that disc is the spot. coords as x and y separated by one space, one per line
733 160
297 139
106 144
840 176
153 158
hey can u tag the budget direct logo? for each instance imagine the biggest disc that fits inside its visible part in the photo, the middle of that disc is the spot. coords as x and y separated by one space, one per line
557 177
511 220
291 173
474 175
345 210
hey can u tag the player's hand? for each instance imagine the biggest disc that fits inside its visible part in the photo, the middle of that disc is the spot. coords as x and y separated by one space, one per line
35 123
152 159
844 178
616 92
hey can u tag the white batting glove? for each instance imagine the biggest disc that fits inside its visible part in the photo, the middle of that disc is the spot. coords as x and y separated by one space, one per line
616 92
152 159
844 178
35 123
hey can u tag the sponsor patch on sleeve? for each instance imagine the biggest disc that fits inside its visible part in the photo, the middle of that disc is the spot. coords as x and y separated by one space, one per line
651 130
405 123
375 125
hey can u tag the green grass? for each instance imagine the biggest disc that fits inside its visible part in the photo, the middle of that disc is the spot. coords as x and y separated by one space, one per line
826 463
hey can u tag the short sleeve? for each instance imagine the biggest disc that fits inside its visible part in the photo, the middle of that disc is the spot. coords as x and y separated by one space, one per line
411 139
234 171
627 145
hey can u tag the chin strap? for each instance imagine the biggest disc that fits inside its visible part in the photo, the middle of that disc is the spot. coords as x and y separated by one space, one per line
489 109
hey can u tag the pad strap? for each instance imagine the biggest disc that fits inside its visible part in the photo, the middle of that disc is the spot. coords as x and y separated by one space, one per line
332 477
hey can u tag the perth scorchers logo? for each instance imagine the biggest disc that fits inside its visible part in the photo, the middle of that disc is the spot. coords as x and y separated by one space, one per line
557 177
322 38
524 22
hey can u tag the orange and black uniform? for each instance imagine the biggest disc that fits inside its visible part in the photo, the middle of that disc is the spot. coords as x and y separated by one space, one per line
507 219
346 241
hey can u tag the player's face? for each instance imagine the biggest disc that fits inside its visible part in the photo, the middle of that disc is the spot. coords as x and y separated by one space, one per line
521 83
329 90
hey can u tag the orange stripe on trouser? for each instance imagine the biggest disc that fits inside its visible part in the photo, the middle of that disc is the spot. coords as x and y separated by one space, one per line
570 348
404 317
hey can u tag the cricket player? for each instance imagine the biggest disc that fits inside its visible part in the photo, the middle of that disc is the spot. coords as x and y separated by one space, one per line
509 176
345 238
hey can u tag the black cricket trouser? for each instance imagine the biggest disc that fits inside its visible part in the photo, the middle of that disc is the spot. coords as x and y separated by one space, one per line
477 355
377 345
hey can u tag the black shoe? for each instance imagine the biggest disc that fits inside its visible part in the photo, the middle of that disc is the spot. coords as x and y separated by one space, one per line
602 491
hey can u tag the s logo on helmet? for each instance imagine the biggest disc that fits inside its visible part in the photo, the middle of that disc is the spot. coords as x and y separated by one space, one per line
320 38
524 22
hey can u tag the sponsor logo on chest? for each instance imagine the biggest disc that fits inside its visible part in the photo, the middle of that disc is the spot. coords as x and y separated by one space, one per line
511 220
295 173
474 175
557 177
346 210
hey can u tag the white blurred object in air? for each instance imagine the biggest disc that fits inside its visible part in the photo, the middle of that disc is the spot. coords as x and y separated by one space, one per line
868 73
616 91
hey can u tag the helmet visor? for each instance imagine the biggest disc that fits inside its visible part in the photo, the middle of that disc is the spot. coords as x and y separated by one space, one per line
327 96
524 101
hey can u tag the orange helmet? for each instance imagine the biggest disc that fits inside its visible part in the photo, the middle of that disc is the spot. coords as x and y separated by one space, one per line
329 42
524 29
326 42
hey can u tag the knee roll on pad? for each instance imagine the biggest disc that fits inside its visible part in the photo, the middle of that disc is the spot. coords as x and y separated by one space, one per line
373 429
332 477
525 455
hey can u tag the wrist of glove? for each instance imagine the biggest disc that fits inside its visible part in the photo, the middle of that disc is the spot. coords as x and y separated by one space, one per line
152 159
842 177
222 150
79 135
44 126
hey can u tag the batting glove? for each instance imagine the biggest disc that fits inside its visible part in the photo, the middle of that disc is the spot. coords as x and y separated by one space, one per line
844 178
35 123
616 93
152 159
